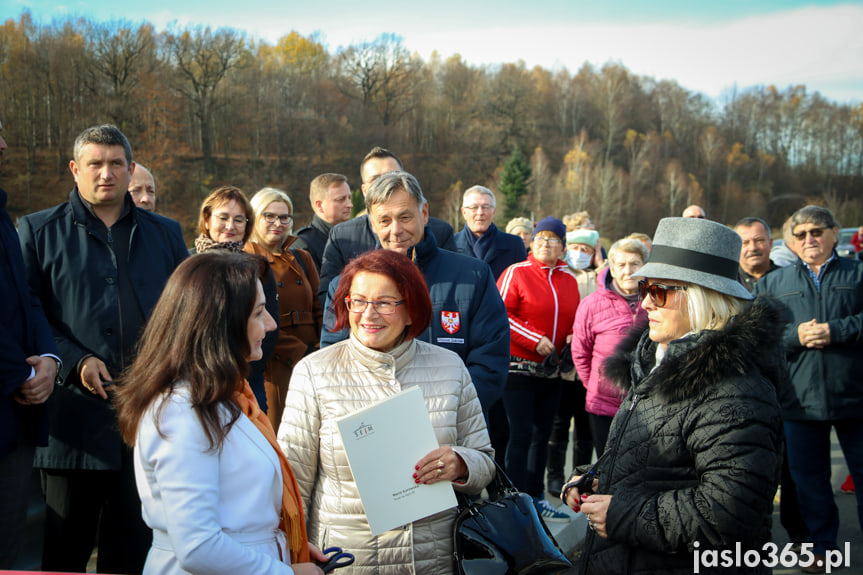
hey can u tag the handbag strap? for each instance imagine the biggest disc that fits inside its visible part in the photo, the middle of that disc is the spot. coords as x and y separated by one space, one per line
501 486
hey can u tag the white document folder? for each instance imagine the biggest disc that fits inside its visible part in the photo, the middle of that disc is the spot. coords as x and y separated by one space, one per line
383 443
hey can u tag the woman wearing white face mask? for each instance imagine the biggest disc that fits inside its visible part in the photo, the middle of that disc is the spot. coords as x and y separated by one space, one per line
580 249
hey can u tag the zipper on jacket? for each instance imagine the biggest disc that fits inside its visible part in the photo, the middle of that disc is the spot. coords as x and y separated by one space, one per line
592 535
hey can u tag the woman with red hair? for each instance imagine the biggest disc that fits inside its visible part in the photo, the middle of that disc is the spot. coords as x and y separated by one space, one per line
383 298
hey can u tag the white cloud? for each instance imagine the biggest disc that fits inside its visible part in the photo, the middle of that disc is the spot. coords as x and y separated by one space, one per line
818 47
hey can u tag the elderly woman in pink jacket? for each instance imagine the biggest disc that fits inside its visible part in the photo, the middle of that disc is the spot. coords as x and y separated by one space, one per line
602 320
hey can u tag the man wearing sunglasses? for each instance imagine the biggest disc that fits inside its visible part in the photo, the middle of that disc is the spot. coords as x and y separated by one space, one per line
824 342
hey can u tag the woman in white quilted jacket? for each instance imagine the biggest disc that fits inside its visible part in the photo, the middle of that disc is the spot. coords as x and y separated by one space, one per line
383 298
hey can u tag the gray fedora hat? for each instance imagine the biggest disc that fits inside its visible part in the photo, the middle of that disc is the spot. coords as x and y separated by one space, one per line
700 252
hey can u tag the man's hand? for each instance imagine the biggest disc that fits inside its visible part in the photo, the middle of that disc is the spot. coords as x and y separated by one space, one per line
813 335
94 376
38 388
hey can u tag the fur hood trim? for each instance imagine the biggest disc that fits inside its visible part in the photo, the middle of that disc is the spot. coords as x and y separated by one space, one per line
749 345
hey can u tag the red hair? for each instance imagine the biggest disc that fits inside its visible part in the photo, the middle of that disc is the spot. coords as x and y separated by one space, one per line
403 272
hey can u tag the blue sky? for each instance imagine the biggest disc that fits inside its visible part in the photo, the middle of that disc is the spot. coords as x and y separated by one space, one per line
707 46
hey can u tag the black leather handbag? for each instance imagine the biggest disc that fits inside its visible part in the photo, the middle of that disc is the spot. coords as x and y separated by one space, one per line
504 535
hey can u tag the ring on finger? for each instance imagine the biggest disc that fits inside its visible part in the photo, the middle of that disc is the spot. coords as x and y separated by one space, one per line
440 463
439 472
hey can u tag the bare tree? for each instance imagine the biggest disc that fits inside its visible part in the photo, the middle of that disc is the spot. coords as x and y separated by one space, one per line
381 75
203 58
119 56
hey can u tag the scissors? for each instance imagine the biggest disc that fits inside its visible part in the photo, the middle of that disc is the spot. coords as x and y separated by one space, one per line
338 559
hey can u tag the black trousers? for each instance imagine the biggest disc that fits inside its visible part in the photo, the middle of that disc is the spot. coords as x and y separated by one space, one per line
16 470
86 508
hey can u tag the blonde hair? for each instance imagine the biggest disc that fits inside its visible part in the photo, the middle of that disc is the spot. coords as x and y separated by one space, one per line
709 309
516 223
263 198
573 221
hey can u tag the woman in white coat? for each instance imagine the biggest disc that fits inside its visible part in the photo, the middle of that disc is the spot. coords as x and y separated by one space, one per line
384 299
215 488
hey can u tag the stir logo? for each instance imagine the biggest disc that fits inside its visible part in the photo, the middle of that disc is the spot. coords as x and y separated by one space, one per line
363 431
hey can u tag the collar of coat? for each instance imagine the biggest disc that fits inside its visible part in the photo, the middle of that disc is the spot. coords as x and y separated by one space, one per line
748 345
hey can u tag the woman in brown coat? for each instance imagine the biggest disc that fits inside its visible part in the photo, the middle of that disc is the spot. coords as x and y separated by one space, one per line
297 280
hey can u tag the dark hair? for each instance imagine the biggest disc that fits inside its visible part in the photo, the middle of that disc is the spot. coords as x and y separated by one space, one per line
750 221
403 272
378 153
221 196
104 135
196 334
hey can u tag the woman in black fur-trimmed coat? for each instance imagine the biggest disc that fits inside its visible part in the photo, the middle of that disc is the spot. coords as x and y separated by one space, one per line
694 453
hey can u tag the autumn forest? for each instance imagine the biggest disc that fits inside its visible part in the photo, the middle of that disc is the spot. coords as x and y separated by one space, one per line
205 107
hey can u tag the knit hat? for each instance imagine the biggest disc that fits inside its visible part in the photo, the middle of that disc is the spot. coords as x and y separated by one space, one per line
517 223
551 224
582 236
696 251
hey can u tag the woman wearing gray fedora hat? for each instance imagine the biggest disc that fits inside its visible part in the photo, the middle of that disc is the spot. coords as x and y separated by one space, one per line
693 455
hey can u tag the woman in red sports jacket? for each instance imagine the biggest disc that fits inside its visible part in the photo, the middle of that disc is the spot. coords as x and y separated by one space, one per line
541 297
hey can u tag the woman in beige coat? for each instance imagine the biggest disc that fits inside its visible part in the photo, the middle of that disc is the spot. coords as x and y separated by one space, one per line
383 296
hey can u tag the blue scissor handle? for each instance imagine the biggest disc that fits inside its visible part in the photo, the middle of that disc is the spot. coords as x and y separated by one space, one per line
338 559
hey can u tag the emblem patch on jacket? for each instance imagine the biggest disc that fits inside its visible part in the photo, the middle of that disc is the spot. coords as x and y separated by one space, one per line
450 321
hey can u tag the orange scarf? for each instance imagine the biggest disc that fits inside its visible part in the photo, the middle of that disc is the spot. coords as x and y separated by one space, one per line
292 521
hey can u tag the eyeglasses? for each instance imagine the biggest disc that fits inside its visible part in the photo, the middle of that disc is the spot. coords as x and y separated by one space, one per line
541 240
384 307
479 208
814 232
271 218
658 292
238 220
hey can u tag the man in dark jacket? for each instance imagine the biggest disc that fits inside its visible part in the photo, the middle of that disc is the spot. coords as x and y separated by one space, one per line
28 368
330 196
99 264
755 260
351 238
823 294
755 263
481 239
468 315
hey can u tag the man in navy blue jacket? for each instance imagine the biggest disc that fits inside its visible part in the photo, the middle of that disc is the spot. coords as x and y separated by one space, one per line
468 315
28 369
481 239
99 264
823 295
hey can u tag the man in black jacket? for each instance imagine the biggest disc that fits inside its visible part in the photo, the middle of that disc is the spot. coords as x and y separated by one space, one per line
99 264
28 369
356 236
330 196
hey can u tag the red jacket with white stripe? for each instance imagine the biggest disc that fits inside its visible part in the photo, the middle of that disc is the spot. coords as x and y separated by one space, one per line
540 301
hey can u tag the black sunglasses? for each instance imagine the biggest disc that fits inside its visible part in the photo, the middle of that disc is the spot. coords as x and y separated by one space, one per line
658 292
814 232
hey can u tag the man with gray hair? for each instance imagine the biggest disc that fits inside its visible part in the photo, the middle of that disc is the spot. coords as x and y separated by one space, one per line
481 239
468 315
349 239
98 264
823 294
